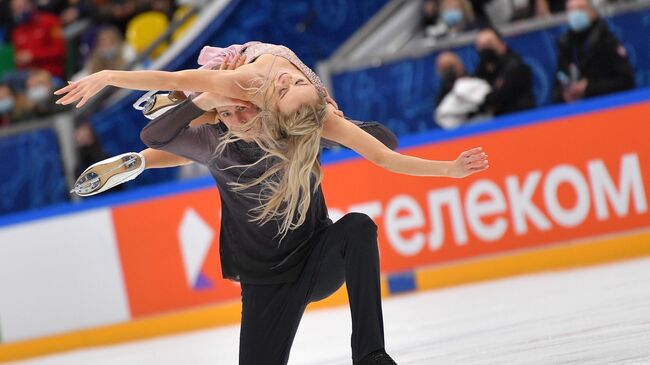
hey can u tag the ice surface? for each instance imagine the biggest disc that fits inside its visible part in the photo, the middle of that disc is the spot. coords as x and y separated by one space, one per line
596 315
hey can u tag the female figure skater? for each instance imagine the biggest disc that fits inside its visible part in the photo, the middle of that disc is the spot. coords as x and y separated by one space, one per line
116 170
276 237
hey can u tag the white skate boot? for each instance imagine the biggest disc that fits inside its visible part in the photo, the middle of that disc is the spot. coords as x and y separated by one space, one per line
108 173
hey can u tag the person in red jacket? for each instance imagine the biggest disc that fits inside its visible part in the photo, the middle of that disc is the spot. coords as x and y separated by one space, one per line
37 39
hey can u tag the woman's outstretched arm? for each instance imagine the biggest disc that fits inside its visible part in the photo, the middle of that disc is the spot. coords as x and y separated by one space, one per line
346 133
234 84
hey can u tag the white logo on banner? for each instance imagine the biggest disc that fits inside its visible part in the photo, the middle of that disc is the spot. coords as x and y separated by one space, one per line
195 237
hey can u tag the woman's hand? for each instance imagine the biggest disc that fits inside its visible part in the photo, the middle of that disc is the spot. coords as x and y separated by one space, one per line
83 89
469 162
330 101
348 134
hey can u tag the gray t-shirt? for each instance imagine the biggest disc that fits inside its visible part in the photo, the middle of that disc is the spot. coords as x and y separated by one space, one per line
250 252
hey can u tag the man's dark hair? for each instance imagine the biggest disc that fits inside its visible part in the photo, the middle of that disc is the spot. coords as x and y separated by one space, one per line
495 31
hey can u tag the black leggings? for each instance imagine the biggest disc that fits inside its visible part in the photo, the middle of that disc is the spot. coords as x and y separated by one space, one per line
344 252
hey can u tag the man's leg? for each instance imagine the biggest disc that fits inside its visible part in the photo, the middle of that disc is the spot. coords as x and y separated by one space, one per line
351 253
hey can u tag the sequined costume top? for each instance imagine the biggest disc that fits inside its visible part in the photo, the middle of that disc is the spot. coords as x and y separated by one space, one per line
213 57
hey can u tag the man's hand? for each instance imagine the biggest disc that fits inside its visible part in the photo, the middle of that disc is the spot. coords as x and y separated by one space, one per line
575 90
211 101
233 63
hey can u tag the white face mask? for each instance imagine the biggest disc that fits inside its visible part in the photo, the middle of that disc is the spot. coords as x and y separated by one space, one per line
6 105
38 94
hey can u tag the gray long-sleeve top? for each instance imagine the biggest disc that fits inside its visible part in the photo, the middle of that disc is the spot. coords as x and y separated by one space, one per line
250 253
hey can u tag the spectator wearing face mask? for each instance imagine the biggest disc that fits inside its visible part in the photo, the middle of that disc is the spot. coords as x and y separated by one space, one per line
449 68
37 38
429 15
591 61
459 97
7 104
109 53
510 78
39 92
13 106
89 150
455 17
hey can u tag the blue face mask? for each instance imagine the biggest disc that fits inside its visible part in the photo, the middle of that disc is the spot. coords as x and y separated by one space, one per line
6 105
452 17
578 20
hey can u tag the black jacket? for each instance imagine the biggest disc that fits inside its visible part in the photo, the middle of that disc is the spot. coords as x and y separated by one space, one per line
599 57
512 85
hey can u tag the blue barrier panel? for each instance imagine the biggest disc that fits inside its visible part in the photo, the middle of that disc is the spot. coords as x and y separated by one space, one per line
401 94
31 173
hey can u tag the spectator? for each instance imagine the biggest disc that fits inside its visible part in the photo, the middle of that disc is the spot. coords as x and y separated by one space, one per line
68 10
37 39
429 15
109 53
591 61
459 98
510 78
449 68
89 150
51 6
39 93
456 16
13 106
120 12
115 12
505 11
5 21
7 104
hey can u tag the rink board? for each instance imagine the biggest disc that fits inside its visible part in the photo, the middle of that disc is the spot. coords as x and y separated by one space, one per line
560 192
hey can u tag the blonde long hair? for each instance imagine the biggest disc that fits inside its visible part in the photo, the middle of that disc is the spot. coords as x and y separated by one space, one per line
292 144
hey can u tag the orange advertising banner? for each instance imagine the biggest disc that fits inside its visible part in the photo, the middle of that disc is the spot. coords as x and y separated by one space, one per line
169 250
549 183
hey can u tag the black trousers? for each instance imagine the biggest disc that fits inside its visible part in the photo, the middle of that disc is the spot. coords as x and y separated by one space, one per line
344 252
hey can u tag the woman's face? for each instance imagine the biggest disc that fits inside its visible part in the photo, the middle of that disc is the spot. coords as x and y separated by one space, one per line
234 116
292 90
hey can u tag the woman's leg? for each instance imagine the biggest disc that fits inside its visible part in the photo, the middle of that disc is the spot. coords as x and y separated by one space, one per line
157 159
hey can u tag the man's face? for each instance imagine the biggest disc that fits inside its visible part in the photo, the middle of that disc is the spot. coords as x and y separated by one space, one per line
234 116
488 40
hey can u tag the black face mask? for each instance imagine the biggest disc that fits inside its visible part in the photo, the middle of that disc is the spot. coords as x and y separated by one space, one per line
488 55
448 77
